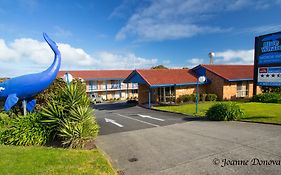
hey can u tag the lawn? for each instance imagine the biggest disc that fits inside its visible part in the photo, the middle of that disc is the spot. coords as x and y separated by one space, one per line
255 112
44 160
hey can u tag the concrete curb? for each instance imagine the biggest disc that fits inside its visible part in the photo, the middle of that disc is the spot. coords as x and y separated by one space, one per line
266 123
169 111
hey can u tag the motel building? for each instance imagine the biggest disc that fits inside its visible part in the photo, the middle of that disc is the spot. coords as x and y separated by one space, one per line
228 82
107 84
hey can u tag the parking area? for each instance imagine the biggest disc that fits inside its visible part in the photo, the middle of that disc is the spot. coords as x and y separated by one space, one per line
121 117
179 145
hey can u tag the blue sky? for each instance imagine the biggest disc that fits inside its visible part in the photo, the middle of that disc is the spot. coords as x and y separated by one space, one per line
128 34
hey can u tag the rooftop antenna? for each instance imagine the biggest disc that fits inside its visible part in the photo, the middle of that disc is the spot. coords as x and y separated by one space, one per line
211 55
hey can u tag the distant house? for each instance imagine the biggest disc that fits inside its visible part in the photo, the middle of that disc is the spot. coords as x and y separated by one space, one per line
228 81
106 83
162 85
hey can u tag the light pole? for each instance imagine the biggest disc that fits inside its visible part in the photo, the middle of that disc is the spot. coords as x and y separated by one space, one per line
201 79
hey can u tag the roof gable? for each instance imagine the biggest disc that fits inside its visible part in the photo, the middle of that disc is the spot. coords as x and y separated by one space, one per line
135 77
163 77
231 72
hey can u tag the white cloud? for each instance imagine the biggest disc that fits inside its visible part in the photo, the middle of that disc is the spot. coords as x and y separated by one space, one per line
28 54
194 62
174 19
123 61
235 57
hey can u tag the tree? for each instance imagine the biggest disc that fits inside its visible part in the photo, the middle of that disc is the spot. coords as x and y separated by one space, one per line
159 67
45 96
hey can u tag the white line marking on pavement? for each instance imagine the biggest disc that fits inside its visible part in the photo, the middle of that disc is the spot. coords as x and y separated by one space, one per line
154 118
136 120
113 122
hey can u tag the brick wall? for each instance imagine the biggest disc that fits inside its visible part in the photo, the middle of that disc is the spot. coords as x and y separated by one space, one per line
143 93
229 91
216 85
182 90
259 91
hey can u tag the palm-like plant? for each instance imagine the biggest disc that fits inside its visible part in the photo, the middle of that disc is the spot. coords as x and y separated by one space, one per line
70 117
79 128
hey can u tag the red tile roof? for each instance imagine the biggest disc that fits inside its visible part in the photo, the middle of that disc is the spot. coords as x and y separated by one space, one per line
97 74
231 72
167 76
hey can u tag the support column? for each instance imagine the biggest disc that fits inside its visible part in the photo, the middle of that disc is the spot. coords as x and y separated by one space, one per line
164 94
160 96
149 98
170 95
133 90
120 91
106 89
127 91
175 94
90 86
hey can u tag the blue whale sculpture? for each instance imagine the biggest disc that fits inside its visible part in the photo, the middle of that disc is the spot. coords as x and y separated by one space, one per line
25 87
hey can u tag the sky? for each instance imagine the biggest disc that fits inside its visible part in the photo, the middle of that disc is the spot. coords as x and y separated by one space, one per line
131 34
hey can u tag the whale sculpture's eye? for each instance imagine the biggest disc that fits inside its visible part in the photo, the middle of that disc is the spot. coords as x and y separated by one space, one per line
2 89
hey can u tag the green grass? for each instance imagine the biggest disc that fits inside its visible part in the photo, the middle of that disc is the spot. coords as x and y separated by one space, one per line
255 112
44 160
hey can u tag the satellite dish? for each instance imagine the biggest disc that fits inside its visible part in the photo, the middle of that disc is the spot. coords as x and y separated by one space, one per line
202 79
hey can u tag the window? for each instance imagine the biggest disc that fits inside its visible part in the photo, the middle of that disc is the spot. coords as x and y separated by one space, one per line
93 85
242 89
115 84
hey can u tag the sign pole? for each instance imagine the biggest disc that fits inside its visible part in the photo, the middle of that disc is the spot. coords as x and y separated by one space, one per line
197 96
255 67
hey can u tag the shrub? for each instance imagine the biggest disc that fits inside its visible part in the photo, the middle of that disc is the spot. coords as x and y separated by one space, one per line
203 97
24 130
4 118
187 98
45 96
211 97
193 97
70 117
267 98
224 111
180 99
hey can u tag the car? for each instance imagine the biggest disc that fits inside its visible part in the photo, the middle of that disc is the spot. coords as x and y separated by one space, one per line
96 98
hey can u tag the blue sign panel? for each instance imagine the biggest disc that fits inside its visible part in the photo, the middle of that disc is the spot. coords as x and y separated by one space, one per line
270 58
267 60
269 49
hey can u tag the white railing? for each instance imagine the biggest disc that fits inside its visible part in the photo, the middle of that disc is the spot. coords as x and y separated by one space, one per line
111 87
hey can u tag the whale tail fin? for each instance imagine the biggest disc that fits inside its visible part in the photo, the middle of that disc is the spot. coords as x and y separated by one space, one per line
51 43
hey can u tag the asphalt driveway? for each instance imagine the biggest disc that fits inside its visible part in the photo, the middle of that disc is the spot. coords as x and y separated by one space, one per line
121 117
186 146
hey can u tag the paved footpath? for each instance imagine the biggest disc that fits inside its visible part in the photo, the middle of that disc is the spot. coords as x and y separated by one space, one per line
183 146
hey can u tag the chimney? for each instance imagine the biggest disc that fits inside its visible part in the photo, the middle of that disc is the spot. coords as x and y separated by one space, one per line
211 55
